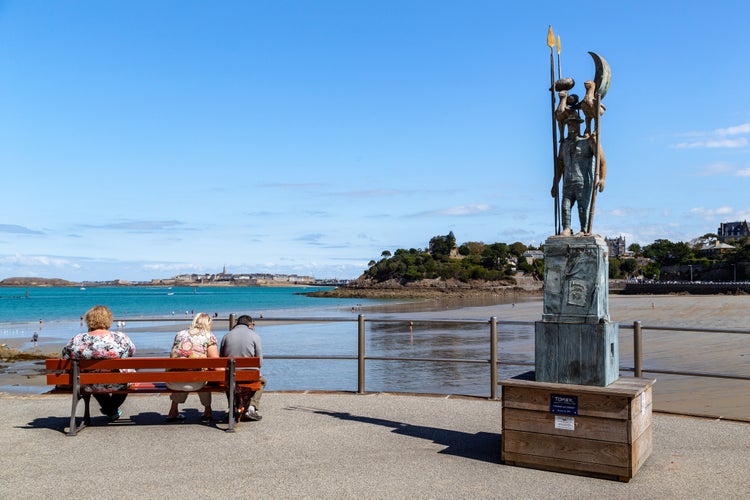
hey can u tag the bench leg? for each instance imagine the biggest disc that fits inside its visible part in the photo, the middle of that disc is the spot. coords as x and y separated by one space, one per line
231 395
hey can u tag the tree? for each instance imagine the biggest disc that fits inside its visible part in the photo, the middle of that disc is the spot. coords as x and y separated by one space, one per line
636 249
385 254
441 246
518 248
614 268
667 253
629 267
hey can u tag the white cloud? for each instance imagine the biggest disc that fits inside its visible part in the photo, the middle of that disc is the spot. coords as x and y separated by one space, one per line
719 138
37 261
713 143
459 210
710 213
715 169
739 129
15 229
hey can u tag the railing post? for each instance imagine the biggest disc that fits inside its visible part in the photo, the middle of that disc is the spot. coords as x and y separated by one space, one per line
493 357
637 350
361 354
232 321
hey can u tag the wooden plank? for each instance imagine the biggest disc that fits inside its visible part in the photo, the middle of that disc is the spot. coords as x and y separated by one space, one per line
581 451
91 378
58 379
151 363
641 450
595 405
623 386
565 465
153 370
596 428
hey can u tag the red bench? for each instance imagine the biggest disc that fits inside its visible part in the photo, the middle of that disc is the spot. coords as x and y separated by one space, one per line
147 376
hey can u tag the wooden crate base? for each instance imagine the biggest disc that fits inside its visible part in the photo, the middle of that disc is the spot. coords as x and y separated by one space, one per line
598 431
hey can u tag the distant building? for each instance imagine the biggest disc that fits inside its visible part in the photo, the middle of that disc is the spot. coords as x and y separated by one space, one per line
733 230
616 246
532 255
717 248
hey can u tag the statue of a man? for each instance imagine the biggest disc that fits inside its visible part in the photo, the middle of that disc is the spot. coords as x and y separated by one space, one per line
577 165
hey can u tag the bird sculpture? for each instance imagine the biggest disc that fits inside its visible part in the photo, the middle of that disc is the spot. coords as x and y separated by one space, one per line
588 105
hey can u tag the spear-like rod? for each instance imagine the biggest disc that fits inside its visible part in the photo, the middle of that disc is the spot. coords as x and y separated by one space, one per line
551 45
559 49
597 151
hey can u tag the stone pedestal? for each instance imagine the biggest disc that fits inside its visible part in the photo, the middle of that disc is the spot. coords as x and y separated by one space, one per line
575 341
577 353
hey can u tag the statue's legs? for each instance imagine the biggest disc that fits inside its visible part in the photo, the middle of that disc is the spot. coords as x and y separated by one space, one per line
584 202
567 204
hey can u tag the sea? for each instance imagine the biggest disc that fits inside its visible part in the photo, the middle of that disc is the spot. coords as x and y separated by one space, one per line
291 325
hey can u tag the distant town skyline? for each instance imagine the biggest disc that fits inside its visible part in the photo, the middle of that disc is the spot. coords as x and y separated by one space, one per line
145 140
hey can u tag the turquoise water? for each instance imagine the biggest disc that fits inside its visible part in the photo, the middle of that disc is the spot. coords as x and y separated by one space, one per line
54 304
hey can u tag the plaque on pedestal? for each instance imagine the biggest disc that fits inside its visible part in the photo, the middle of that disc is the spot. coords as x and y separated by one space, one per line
576 273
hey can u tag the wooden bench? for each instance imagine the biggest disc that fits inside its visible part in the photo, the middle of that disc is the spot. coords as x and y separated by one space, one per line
149 375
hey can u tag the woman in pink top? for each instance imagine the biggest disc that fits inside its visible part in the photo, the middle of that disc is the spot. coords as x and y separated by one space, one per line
196 342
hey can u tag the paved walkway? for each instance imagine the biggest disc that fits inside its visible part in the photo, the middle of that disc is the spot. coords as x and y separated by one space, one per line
335 446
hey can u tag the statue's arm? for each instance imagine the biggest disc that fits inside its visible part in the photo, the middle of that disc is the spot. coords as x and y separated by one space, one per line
602 174
556 177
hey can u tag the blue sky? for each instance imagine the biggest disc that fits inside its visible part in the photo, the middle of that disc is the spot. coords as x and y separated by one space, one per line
144 139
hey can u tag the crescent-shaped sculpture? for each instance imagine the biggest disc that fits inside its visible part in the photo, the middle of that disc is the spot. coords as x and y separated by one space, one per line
603 75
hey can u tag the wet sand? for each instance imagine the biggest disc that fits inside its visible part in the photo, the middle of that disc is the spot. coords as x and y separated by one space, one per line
697 352
703 352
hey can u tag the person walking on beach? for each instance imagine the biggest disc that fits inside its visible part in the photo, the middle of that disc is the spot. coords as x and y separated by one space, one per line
101 343
35 338
195 342
243 341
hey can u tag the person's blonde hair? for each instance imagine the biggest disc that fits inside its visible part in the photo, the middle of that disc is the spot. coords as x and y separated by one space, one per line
99 318
202 321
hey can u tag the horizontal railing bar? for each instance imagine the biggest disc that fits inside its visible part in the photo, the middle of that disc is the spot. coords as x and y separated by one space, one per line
623 326
320 356
688 329
699 374
429 360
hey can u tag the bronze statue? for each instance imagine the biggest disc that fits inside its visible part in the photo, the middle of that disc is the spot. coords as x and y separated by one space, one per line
579 160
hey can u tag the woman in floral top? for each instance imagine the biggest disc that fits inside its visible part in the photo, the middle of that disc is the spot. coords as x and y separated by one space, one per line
196 342
101 343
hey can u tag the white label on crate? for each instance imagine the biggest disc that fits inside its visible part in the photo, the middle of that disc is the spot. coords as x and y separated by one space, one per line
565 423
643 403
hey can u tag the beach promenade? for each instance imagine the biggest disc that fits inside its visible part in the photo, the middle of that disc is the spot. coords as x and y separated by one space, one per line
335 445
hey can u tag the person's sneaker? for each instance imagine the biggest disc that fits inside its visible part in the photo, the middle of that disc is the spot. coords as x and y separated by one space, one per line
116 415
251 415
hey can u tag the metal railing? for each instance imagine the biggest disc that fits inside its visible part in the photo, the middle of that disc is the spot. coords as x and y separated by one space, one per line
493 361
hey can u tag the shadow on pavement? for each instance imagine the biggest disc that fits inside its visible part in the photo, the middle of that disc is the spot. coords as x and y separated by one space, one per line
484 446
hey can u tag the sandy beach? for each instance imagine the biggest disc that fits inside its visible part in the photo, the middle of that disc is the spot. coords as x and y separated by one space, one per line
701 352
